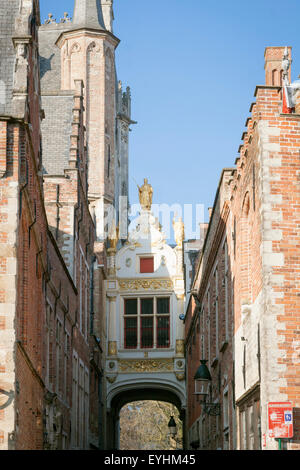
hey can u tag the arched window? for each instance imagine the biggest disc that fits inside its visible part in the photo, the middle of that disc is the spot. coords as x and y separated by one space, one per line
76 58
281 78
274 77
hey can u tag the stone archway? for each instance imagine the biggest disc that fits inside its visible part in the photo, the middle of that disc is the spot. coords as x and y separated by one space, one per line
142 393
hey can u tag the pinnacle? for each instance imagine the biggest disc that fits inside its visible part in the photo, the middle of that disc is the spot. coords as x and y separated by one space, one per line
88 13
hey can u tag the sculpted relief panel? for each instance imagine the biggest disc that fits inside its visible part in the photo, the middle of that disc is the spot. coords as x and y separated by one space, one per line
146 365
145 284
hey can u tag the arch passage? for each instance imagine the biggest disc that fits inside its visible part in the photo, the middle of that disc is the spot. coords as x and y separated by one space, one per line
128 396
139 394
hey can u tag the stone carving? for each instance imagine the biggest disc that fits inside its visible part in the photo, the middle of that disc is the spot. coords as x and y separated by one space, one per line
180 346
20 86
75 48
180 364
180 376
93 47
22 53
124 132
50 19
66 18
285 66
178 231
111 379
113 236
112 348
145 195
147 284
146 365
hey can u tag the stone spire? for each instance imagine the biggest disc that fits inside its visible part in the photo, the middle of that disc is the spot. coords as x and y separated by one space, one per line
108 14
88 14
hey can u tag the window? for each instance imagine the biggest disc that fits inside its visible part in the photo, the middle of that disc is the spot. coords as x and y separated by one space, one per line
130 323
74 427
250 426
147 265
163 322
58 371
83 293
48 364
147 323
66 364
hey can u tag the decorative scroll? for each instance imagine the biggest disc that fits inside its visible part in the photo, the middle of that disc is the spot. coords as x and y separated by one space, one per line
146 284
146 365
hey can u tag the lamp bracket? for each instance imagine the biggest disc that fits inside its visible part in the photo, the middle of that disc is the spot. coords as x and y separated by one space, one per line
212 409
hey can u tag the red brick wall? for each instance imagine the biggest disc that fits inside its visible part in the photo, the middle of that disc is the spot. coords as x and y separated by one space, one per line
38 367
209 336
263 252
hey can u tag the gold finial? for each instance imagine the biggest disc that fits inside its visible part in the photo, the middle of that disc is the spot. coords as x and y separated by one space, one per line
145 195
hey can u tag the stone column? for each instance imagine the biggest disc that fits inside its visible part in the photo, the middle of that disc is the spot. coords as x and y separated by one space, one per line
111 262
179 323
112 325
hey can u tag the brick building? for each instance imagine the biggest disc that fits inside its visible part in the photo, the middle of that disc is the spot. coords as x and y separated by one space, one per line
63 157
244 313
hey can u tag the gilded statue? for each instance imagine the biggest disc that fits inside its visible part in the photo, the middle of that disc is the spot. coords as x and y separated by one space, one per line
178 230
145 195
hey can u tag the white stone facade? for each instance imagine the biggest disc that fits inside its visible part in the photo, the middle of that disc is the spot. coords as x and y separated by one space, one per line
141 367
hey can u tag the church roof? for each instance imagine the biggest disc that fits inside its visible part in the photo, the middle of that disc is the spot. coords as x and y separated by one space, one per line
88 14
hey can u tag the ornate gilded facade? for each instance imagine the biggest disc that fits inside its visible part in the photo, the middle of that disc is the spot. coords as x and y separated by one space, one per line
144 299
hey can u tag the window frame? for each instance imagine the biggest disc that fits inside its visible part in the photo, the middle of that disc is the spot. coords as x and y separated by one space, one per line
251 401
139 328
130 316
140 264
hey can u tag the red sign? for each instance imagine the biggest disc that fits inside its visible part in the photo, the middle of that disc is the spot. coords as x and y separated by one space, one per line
280 419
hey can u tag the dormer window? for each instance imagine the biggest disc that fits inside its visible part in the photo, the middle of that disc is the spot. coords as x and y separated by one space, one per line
147 264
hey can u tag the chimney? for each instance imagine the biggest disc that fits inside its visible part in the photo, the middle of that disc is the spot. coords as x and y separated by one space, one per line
273 65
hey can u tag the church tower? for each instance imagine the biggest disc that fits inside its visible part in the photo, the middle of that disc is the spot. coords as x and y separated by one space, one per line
88 53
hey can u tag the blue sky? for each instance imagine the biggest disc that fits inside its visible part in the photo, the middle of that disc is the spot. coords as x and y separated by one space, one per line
192 67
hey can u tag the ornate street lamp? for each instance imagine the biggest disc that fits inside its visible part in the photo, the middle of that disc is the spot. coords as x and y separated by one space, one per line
202 380
172 427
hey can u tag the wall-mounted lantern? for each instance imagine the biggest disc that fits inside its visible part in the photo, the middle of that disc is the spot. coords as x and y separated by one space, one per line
202 380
